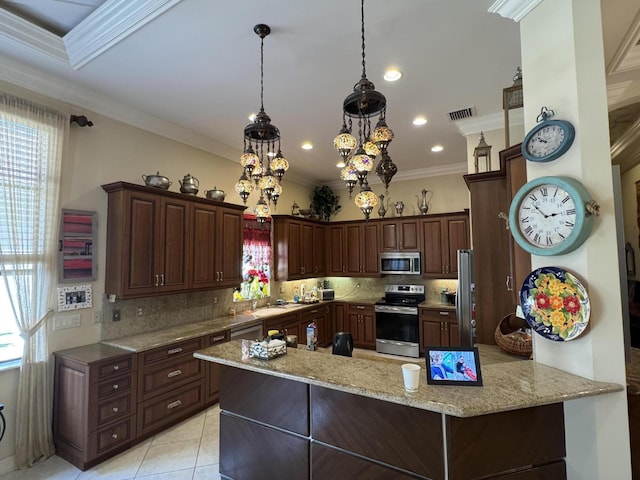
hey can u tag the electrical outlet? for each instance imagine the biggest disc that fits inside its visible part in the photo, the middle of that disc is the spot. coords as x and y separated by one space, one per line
281 288
116 315
67 321
97 317
140 311
215 300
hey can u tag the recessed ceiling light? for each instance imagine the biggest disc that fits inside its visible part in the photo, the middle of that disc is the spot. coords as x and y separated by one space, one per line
307 146
419 121
437 148
392 75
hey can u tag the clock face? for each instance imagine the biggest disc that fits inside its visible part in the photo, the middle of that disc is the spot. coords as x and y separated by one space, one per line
547 216
546 141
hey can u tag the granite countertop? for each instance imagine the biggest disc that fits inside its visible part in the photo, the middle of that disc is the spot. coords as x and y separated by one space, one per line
507 386
167 336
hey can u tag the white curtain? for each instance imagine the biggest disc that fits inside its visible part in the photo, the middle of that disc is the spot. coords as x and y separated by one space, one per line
31 145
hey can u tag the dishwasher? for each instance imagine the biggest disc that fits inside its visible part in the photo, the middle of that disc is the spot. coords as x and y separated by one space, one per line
253 332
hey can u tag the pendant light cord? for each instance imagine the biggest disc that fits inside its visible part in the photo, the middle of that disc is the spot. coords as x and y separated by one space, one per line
364 72
261 72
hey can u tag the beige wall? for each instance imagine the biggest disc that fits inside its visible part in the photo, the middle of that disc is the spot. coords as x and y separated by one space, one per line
449 194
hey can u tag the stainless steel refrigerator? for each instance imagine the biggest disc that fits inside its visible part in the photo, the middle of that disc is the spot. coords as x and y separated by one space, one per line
465 302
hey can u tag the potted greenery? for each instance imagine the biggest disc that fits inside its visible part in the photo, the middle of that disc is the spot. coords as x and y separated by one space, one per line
324 203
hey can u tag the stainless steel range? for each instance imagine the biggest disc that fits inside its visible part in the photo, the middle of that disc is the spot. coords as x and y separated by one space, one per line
397 330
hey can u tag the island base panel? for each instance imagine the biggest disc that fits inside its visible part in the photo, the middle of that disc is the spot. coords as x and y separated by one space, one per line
404 437
275 401
331 464
528 437
250 451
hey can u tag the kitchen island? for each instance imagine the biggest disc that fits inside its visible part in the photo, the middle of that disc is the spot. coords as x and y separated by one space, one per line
314 415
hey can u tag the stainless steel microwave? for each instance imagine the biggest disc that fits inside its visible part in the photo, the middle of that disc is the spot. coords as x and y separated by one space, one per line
400 263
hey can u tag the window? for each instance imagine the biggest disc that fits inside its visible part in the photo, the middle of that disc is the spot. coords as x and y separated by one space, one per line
256 260
24 171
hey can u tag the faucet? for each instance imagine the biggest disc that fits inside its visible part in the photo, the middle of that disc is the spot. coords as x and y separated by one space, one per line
254 305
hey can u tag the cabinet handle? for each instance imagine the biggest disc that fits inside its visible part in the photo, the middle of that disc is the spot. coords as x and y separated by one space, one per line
221 276
173 351
115 386
156 284
175 404
218 338
114 435
442 268
360 307
508 283
162 279
115 409
175 373
116 367
444 313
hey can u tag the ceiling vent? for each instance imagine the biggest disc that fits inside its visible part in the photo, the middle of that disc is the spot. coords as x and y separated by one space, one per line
460 114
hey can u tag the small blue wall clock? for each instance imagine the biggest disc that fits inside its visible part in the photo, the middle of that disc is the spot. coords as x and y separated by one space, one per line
549 139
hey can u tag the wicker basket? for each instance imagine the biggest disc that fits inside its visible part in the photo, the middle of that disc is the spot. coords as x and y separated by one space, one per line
510 339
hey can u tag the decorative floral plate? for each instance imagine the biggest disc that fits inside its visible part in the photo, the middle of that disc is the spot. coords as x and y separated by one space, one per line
555 304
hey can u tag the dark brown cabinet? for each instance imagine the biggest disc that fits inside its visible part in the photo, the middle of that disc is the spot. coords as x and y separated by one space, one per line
438 327
361 250
94 407
170 385
321 316
499 264
443 236
336 264
400 235
161 242
212 371
216 247
362 325
299 248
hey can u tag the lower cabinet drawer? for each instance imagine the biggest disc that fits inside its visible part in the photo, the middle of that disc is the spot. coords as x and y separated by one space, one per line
110 410
169 375
113 386
157 412
116 435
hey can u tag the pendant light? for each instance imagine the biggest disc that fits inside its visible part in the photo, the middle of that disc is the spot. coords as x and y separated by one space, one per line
262 139
358 153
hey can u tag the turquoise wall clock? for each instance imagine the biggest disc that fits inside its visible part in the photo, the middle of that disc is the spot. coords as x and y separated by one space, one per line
552 215
549 139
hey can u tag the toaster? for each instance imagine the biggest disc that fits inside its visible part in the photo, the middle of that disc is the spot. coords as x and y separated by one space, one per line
326 294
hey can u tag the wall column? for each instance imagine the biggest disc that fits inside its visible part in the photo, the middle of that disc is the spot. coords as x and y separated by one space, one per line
563 69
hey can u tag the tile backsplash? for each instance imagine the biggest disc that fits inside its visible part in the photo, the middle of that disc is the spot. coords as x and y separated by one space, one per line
156 313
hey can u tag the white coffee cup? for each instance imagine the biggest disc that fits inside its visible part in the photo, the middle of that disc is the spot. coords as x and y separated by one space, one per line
411 376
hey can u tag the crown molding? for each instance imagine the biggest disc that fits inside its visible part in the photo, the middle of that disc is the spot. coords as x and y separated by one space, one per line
627 57
627 140
516 10
487 123
21 32
108 25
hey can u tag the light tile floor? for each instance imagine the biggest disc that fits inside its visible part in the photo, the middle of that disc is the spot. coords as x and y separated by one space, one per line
187 451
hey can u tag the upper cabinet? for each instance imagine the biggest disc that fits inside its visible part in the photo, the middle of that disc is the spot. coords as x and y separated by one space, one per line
299 248
400 235
443 235
161 242
77 257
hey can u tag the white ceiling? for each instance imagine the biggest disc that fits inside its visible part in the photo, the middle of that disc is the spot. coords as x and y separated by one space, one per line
189 69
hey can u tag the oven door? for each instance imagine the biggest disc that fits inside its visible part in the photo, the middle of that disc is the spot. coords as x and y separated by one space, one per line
399 324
